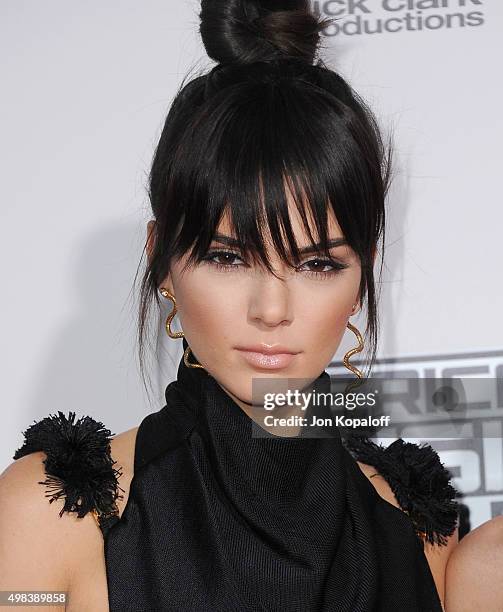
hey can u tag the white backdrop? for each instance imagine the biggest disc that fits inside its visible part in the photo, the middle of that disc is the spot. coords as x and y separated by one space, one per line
85 89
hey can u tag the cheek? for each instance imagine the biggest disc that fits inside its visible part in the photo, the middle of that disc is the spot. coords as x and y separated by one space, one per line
324 313
209 310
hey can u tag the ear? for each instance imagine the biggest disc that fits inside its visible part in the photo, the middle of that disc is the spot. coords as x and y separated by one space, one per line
167 284
151 238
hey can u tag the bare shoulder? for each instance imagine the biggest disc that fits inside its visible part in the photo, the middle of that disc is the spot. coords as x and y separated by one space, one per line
474 579
44 548
437 556
39 548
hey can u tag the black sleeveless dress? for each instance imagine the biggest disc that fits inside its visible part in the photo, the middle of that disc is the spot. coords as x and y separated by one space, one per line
218 520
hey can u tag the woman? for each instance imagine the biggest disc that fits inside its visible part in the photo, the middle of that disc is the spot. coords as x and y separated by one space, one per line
267 189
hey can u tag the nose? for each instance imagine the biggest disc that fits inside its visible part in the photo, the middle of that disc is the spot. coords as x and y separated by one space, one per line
270 302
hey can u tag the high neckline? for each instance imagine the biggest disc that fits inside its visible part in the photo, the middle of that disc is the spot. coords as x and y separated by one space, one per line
255 522
198 408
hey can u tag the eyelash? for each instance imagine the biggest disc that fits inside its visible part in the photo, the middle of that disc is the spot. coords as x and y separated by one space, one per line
338 267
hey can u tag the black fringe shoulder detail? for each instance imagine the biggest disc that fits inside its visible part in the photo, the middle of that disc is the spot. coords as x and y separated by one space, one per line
418 479
78 465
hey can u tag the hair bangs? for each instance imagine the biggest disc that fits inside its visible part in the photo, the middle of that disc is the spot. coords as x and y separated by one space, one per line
253 150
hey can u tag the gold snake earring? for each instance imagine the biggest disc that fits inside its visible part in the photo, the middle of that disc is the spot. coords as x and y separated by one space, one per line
349 354
180 334
353 351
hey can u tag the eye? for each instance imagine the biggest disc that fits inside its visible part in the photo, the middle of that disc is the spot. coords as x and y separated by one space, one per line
320 267
227 257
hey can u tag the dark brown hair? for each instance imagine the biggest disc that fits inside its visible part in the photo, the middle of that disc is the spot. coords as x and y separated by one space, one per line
267 112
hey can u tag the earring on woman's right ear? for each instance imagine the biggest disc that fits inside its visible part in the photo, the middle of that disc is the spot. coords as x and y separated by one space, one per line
165 293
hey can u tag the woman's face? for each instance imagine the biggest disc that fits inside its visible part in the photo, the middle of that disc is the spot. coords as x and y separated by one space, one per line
225 305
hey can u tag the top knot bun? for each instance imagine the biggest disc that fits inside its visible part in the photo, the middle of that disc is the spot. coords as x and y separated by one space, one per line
246 31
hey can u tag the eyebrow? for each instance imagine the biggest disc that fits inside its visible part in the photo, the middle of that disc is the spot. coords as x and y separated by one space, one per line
316 248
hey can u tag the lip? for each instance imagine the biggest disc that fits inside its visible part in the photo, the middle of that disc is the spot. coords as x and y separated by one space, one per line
275 358
267 349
